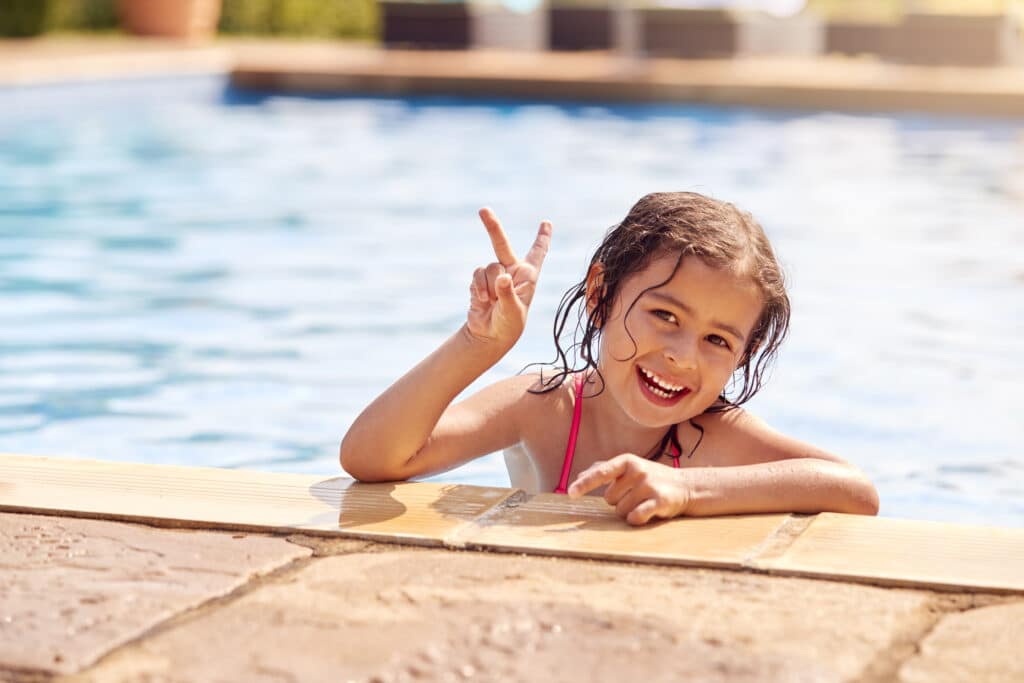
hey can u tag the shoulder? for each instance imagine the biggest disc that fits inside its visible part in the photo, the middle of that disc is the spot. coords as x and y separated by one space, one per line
730 422
497 416
738 437
528 384
525 394
544 390
735 418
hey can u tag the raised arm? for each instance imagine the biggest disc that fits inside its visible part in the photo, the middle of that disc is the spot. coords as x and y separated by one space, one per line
399 435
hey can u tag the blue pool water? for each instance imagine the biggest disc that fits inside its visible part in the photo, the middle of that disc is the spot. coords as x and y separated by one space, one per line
193 275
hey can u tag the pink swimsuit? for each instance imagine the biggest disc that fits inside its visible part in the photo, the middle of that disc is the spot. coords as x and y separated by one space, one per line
570 448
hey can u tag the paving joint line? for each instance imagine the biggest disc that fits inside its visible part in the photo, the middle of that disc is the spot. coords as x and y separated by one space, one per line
887 663
190 614
778 542
885 666
456 539
320 545
25 676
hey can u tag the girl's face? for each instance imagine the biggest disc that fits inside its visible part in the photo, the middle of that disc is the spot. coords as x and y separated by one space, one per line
689 334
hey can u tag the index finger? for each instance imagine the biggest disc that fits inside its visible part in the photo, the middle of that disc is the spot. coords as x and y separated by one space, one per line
596 475
499 240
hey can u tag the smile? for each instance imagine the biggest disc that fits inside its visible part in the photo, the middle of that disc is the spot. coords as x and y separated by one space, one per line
660 390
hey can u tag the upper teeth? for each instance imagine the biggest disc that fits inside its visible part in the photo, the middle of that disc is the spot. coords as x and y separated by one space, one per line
660 382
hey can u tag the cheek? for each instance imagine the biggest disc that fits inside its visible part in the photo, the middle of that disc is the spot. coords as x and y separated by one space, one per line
719 367
616 347
623 341
728 372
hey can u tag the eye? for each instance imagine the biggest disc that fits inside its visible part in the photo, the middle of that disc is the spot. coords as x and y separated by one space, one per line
667 316
719 341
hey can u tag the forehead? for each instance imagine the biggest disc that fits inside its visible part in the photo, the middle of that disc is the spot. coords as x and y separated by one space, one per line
712 293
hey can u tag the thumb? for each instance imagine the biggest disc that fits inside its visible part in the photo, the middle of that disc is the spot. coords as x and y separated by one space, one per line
503 288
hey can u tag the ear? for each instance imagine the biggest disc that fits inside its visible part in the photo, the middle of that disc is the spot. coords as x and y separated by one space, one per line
595 289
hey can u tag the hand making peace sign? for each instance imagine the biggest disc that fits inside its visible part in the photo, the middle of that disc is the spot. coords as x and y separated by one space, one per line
501 292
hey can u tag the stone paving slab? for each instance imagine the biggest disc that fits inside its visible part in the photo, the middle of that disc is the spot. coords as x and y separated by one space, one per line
980 646
423 513
73 589
407 614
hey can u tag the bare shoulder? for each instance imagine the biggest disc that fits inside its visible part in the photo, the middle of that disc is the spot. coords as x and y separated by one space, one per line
738 437
542 393
496 417
526 395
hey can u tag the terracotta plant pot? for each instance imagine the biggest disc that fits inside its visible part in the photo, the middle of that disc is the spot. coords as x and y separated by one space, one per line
191 19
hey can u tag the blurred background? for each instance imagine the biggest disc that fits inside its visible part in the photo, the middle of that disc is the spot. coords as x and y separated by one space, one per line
197 272
364 19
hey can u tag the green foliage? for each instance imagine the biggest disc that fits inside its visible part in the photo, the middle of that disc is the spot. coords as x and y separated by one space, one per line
313 18
324 18
83 15
23 18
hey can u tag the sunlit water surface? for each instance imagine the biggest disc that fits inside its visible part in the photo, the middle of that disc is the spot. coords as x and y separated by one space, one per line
192 275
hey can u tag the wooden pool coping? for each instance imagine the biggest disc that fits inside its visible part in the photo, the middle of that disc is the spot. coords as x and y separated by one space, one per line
881 551
337 67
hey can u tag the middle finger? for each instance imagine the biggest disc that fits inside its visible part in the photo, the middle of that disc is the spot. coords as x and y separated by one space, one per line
617 489
634 497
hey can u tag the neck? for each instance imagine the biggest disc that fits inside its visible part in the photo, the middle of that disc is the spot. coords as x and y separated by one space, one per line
614 429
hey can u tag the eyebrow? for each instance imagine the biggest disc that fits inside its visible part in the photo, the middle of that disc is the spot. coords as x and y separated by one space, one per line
689 311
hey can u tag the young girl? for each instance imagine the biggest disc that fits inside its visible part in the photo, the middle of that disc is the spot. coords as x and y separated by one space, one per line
681 311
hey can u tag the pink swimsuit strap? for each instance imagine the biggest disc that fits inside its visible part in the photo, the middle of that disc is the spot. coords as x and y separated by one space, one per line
570 447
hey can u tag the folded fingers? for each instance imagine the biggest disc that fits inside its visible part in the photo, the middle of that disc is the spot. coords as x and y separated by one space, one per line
478 286
491 273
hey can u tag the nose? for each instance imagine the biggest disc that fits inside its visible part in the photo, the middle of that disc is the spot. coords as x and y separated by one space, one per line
681 352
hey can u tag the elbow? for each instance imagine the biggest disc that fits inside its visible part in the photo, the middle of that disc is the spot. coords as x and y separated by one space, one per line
845 489
869 502
345 459
353 461
863 498
348 458
861 505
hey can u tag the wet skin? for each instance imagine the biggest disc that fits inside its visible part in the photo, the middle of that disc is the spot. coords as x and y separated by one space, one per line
687 328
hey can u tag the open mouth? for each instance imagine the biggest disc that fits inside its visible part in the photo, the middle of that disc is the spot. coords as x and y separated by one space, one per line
660 387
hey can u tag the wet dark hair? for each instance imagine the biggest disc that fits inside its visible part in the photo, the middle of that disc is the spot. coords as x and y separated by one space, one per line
687 224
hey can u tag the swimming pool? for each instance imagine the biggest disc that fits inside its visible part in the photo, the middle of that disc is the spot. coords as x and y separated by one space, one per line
194 275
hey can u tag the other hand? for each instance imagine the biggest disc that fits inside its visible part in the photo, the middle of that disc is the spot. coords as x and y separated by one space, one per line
639 489
501 292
